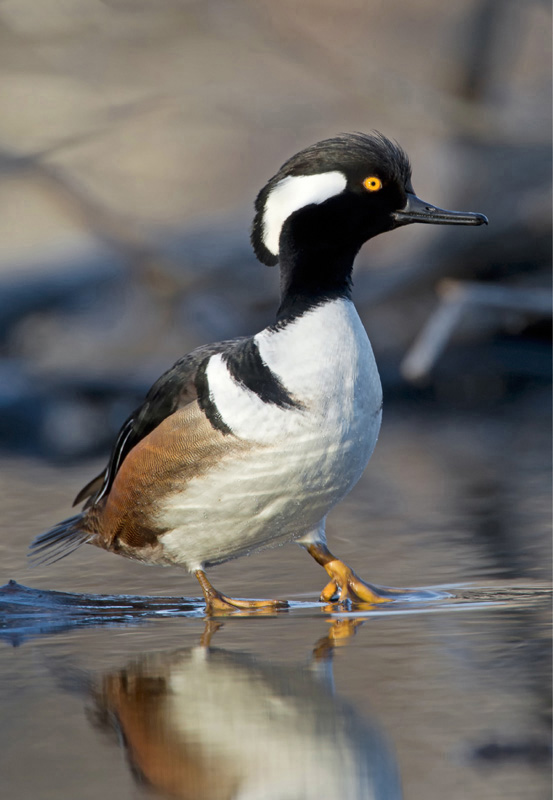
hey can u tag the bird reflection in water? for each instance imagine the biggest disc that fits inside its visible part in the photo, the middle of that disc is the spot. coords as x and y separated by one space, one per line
207 724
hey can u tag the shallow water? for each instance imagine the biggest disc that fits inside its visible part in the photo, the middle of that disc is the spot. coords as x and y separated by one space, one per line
447 696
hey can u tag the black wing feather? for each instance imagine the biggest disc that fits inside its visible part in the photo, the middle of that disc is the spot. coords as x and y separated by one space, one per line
174 389
58 542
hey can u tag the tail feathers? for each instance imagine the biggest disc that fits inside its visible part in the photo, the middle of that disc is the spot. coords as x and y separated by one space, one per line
58 542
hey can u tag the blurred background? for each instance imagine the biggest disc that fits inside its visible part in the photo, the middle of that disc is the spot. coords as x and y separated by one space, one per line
134 136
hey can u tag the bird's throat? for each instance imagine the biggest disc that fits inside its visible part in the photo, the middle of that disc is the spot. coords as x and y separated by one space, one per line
309 277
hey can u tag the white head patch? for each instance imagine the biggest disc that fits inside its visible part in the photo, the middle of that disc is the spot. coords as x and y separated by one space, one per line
293 193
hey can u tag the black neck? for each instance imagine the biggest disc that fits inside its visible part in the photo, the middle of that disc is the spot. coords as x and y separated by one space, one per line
313 269
308 282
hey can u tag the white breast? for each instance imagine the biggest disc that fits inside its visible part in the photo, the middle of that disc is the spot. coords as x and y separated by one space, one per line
325 359
303 460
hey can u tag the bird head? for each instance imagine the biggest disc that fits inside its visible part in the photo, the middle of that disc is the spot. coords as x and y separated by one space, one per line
336 194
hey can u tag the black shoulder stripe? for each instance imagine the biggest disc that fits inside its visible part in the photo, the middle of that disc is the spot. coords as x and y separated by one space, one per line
248 368
206 403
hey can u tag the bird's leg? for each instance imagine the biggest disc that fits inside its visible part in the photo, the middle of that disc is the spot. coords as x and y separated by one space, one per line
344 584
217 603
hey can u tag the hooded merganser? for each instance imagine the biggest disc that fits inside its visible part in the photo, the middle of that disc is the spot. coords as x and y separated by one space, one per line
249 443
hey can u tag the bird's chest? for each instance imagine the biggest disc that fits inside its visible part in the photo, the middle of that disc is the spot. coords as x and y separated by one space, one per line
334 377
303 458
314 448
325 362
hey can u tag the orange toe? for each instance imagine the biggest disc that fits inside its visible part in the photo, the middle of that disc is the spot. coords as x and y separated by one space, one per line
344 585
217 603
220 603
350 588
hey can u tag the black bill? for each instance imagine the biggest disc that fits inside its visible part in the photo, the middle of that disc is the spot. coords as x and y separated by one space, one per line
416 210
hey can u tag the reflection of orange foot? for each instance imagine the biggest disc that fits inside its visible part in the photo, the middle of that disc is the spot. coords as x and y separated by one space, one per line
210 629
217 603
341 630
345 586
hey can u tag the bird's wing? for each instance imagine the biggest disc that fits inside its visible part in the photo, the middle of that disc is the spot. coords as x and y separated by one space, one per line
175 389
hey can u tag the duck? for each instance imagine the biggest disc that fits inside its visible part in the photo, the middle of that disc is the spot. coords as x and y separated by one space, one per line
249 443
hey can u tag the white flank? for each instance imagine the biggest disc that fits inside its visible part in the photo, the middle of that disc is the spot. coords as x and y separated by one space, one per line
293 193
302 460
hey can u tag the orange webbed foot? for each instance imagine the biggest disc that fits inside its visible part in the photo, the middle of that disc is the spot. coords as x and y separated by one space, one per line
217 603
347 588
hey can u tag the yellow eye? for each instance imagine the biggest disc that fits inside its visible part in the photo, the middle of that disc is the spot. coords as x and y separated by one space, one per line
372 183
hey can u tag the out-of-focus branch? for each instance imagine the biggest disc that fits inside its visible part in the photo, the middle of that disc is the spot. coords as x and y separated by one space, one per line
457 299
